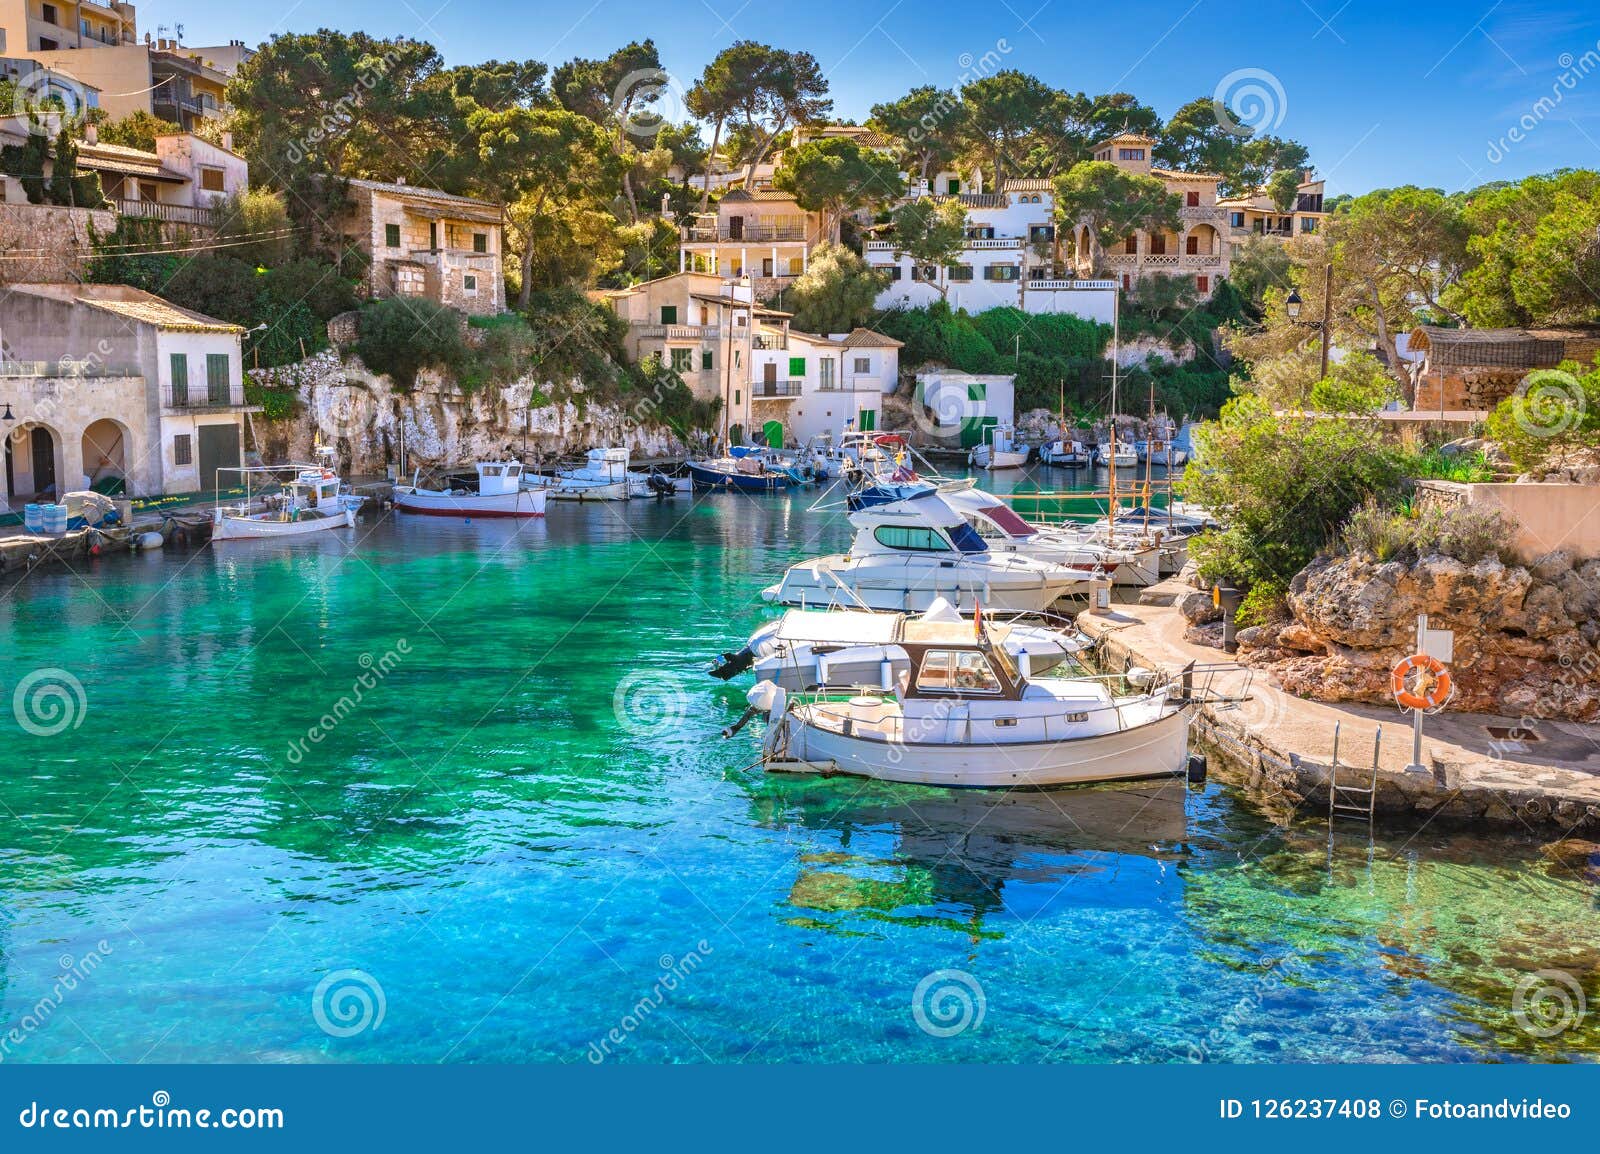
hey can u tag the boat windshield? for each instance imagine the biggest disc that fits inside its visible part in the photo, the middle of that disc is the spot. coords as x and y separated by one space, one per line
966 539
956 671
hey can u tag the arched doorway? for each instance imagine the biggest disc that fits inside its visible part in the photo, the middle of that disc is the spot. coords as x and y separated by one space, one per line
105 457
1203 240
33 464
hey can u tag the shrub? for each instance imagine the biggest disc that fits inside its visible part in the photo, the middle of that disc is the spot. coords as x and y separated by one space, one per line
401 337
1356 384
1404 533
1553 412
1264 603
1432 465
255 226
276 404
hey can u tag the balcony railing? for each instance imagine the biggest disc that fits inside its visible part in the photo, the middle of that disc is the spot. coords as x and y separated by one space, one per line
1200 260
754 234
761 389
1071 285
769 344
994 242
1200 212
170 213
682 332
202 397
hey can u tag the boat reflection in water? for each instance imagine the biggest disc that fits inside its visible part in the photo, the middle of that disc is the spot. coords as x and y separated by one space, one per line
914 856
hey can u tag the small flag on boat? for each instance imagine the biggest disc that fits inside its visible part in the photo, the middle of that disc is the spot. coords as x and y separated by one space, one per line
977 620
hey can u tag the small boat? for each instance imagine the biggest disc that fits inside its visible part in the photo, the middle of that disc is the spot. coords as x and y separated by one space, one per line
747 474
846 648
602 477
500 493
1065 453
963 714
1131 562
908 554
999 450
1161 452
1127 457
311 503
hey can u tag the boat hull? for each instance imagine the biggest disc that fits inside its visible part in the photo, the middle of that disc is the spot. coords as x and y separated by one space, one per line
715 480
905 589
226 528
1157 748
522 503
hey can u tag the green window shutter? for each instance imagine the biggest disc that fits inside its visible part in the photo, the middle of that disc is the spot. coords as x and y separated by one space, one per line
955 187
217 378
669 314
682 360
705 360
391 235
797 367
978 392
480 242
180 379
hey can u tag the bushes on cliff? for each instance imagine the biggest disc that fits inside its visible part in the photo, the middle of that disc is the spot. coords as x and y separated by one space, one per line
1554 412
1405 532
1283 486
400 337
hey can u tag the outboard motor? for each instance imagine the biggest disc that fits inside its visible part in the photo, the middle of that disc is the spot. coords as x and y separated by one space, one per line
660 485
730 665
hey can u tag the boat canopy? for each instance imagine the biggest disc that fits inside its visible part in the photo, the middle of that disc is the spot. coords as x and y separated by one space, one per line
839 627
1005 517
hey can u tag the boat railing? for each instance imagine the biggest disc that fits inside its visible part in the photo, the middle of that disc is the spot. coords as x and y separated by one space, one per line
891 730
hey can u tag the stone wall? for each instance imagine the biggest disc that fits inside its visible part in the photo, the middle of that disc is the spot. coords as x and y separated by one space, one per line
1464 389
43 243
365 418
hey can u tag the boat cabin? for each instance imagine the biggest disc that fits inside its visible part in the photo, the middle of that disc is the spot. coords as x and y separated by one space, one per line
313 487
992 518
947 661
497 478
922 523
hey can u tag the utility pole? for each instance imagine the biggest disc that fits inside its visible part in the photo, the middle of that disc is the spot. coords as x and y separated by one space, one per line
1327 318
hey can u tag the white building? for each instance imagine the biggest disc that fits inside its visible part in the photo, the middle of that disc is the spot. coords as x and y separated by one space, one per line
1010 260
806 385
958 407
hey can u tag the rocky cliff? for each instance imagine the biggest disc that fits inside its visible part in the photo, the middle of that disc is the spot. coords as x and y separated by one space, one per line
364 418
1527 639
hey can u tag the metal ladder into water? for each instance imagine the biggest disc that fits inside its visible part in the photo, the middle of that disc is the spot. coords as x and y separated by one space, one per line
1353 801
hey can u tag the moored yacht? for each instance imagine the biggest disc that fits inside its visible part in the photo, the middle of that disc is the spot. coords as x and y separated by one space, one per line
602 477
500 493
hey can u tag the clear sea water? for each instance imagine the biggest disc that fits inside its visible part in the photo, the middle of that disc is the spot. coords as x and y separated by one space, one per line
526 841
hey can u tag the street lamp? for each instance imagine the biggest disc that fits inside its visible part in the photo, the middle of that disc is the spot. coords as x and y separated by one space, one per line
1292 305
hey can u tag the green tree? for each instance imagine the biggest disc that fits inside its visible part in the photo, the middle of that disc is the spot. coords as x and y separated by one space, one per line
1284 188
928 123
1554 412
834 175
619 93
1005 112
138 129
931 232
1113 202
837 292
1259 264
1356 383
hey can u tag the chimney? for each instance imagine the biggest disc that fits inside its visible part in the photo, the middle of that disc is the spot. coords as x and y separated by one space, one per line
227 140
91 134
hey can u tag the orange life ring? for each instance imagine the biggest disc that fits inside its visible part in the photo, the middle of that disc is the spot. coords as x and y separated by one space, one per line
1434 686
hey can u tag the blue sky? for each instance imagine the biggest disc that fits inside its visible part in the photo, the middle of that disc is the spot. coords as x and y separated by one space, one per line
1443 94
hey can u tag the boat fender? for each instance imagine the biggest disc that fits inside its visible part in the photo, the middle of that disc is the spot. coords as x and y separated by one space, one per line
1139 676
150 541
886 675
1197 768
1024 665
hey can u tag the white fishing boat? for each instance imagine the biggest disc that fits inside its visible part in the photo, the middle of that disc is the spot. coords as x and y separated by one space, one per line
602 477
500 492
850 648
964 715
313 502
910 553
1123 456
1134 561
999 450
1064 452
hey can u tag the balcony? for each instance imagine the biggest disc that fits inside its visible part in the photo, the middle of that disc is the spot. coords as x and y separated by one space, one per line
750 234
993 242
168 213
1073 285
769 343
197 399
1201 260
681 332
768 390
1203 212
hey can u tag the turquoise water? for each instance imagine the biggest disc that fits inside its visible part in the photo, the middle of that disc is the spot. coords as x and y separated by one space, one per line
526 841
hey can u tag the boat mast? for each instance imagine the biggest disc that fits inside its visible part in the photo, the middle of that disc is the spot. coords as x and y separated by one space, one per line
1149 456
1116 317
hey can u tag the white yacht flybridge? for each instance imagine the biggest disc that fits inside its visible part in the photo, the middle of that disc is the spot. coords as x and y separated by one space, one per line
909 553
1130 562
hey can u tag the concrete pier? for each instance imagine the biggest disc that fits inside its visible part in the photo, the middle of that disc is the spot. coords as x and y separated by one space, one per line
1281 746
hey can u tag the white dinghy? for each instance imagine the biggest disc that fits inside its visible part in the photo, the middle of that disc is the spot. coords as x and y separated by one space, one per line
311 503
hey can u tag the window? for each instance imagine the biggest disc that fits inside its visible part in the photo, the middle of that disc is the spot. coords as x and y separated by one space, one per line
736 391
1308 224
909 537
1192 245
1202 284
217 378
1158 244
47 45
894 272
682 360
50 16
1131 246
925 272
797 367
795 264
391 235
1042 232
825 373
1192 199
705 361
956 671
1130 154
1005 272
211 180
960 272
863 364
83 27
469 284
480 242
180 380
1236 219
669 314
183 449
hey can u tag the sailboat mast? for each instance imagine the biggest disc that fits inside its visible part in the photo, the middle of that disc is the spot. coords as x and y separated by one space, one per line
1116 332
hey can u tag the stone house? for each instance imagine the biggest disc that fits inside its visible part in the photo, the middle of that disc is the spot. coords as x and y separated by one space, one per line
804 385
1258 215
110 386
1473 370
422 242
760 233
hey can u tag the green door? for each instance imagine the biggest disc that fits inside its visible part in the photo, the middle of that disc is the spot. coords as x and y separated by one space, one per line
867 420
773 432
219 449
974 430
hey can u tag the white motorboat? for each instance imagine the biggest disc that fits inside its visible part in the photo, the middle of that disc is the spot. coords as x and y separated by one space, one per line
1064 452
963 715
848 648
602 477
999 450
908 554
1132 562
311 503
500 493
1125 456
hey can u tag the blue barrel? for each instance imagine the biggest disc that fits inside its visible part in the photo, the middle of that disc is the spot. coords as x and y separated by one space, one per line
32 519
55 518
